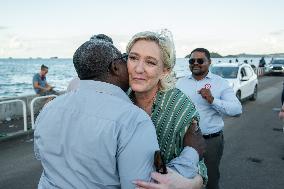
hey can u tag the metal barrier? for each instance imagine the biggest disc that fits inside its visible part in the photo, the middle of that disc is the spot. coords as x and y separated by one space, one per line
24 110
32 107
260 71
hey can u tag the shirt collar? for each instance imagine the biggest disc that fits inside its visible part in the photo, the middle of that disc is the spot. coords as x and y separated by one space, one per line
208 76
103 87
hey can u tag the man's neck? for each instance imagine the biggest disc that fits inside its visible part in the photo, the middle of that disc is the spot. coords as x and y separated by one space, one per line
199 77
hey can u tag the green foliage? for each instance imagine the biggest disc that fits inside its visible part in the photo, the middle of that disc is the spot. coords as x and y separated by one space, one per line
215 55
212 54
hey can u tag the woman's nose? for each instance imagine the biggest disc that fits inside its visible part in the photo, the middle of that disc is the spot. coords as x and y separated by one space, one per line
139 68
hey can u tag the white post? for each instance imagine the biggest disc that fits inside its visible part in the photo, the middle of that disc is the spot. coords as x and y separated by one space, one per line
32 108
24 110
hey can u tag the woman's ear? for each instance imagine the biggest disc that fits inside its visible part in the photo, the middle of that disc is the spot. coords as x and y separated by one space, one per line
166 71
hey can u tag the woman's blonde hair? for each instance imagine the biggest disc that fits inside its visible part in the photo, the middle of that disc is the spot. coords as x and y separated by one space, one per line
165 41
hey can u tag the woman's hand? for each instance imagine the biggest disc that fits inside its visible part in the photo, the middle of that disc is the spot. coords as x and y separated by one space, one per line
172 180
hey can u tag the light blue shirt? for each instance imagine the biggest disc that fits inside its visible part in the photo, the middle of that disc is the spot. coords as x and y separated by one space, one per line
41 81
225 101
94 137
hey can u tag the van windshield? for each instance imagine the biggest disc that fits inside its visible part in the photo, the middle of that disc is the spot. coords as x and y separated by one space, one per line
277 62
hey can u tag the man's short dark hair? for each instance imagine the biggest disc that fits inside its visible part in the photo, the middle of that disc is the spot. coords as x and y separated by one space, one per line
205 51
43 67
102 37
92 59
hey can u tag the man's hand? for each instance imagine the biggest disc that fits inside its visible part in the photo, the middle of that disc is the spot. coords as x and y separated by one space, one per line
49 88
43 90
193 138
172 180
206 94
281 114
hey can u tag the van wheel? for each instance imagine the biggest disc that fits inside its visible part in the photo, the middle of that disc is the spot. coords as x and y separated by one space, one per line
254 95
238 95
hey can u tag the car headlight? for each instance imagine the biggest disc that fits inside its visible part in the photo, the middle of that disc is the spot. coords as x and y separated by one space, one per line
231 85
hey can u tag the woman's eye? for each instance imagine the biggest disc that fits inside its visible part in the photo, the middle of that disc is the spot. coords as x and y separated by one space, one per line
133 58
151 63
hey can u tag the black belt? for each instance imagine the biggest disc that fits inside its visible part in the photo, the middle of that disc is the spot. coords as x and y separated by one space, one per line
212 135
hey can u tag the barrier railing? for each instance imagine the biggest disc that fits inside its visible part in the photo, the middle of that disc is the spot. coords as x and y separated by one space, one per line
260 71
24 110
32 107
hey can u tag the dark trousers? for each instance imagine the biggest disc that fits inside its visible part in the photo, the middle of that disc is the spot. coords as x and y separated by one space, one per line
213 155
51 92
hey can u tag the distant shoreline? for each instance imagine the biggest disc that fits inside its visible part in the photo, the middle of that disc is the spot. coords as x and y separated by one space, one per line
244 55
213 55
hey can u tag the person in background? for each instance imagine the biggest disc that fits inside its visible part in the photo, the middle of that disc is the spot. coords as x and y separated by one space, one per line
95 137
212 97
281 113
40 84
282 96
262 62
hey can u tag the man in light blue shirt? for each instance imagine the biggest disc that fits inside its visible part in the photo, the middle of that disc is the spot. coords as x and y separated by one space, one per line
94 137
213 98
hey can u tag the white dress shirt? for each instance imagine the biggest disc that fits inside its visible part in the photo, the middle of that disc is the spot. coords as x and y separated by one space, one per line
225 101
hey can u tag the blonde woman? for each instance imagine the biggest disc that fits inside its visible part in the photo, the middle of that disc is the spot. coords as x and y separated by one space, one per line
151 58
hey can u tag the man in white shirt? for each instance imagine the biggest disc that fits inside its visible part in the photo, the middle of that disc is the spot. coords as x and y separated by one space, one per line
212 97
94 137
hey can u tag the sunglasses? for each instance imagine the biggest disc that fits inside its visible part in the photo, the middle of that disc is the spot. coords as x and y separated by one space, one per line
198 60
123 57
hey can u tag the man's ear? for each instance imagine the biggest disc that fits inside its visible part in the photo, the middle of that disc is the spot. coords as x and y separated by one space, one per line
113 68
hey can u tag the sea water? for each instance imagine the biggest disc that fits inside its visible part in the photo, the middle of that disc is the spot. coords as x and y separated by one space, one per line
16 74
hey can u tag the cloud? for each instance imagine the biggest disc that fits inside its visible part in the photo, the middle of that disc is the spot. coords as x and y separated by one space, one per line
269 40
3 27
277 33
15 43
2 52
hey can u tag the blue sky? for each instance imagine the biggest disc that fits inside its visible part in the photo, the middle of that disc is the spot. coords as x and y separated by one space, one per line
45 28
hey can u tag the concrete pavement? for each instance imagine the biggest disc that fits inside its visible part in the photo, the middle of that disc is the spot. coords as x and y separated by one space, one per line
254 143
